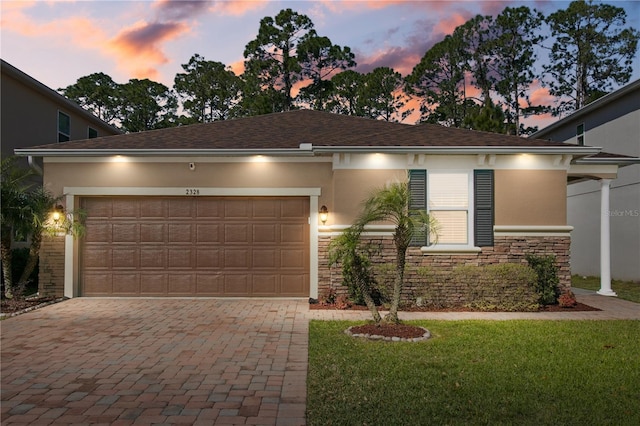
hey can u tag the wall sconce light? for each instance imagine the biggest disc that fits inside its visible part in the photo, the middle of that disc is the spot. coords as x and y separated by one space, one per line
58 211
324 214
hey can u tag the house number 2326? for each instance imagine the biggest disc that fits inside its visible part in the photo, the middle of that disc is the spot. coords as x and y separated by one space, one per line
192 191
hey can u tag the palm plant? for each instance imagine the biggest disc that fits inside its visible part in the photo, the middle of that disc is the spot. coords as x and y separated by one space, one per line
388 204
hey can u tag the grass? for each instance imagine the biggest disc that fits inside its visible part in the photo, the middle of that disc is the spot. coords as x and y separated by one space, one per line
628 290
478 372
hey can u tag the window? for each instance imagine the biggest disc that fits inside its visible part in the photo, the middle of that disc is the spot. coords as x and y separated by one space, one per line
448 203
64 127
93 133
460 202
580 134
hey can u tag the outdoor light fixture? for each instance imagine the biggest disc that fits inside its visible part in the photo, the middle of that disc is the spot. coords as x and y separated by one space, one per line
57 212
324 214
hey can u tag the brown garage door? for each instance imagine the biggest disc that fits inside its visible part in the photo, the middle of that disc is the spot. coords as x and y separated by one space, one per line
195 246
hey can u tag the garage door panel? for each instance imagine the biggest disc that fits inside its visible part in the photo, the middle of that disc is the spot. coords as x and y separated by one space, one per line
125 209
210 284
153 284
97 257
208 233
181 284
208 258
181 208
98 233
236 233
265 234
125 258
152 232
181 232
124 233
295 284
152 258
126 284
295 259
200 246
264 258
293 233
237 209
153 208
98 284
237 258
209 208
180 257
264 285
236 284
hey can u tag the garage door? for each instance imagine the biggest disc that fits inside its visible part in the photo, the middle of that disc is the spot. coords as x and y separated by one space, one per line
195 246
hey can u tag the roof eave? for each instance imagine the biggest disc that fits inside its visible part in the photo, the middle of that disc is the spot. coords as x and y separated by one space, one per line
305 152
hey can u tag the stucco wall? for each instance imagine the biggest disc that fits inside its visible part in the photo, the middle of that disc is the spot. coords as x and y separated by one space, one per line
530 197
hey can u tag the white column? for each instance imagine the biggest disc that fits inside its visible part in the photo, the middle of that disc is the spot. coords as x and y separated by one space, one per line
605 240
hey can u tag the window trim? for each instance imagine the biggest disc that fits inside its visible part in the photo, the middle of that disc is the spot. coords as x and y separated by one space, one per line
468 209
89 129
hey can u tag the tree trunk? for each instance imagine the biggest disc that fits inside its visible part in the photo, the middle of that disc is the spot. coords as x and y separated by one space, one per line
368 300
5 247
392 316
32 261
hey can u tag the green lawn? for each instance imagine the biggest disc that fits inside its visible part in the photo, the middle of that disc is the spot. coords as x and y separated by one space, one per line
478 372
628 290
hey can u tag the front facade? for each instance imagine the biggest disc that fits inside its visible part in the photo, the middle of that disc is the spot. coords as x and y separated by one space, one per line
232 208
612 123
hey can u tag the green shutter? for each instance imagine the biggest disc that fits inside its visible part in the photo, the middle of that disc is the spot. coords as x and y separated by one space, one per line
483 207
418 201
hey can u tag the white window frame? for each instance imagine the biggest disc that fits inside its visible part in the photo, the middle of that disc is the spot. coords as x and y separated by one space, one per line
469 245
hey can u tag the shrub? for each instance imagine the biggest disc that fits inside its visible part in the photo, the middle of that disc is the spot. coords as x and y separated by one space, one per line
433 294
328 297
567 299
547 282
499 287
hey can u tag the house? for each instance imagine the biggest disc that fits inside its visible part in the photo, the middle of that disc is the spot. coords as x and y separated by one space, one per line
613 123
33 114
232 208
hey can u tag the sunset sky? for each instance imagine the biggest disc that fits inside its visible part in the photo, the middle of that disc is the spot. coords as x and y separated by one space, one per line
56 42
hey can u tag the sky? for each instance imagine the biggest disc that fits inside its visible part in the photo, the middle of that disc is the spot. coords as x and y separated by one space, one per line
58 41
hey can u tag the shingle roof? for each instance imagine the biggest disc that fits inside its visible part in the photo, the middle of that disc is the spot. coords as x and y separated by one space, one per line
288 130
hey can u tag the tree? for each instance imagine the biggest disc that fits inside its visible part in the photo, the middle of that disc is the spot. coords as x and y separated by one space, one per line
381 95
592 52
271 58
388 204
97 93
439 80
147 105
345 96
320 59
25 212
515 54
209 90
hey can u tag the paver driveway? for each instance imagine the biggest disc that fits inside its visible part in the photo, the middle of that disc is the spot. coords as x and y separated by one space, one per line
147 361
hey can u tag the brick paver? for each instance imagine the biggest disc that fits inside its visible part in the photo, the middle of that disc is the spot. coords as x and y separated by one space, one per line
146 361
182 361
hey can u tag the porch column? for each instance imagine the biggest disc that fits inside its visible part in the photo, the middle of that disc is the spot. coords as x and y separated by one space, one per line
605 240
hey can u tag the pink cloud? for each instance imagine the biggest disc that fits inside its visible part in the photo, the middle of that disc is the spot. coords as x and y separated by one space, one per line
237 7
446 26
138 48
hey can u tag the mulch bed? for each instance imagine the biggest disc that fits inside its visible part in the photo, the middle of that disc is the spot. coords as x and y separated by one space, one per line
397 331
579 307
10 307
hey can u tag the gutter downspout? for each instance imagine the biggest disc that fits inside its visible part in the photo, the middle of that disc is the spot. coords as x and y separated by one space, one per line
34 165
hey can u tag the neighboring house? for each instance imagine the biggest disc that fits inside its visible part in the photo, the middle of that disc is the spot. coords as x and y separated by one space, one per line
33 114
612 123
231 208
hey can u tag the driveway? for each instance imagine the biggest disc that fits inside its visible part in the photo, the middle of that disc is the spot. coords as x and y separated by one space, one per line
144 361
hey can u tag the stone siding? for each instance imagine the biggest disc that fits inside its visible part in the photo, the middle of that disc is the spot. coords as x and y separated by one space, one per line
431 277
51 273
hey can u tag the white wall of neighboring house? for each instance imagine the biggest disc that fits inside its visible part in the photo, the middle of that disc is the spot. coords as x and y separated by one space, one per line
613 125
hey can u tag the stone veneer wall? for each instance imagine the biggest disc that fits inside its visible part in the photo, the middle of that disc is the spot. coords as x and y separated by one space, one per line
51 273
430 276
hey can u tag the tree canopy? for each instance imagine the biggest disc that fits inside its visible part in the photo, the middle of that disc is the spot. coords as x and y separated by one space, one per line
481 76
